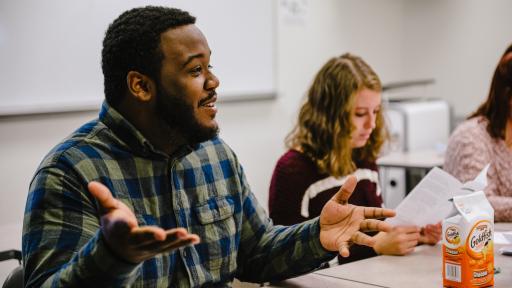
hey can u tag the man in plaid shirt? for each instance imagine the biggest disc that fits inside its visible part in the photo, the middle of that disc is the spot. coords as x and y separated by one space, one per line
148 196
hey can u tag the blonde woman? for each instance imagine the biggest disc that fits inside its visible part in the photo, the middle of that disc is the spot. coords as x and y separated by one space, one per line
340 131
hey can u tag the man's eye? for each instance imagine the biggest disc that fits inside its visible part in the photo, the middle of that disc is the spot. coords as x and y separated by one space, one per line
210 67
196 70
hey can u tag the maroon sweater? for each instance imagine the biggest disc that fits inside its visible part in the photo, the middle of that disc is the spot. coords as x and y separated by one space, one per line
293 175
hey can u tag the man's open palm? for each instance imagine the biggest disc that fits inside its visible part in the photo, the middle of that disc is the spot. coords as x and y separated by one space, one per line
126 238
342 224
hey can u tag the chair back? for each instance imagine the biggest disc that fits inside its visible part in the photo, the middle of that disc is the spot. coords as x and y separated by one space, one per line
14 279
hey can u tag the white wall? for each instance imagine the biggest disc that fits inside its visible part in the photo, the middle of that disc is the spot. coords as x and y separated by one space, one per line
388 34
370 28
457 42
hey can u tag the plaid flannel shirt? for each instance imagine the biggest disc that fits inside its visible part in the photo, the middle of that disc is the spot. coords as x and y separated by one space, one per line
201 188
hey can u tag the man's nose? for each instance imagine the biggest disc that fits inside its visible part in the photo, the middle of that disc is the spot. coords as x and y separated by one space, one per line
212 82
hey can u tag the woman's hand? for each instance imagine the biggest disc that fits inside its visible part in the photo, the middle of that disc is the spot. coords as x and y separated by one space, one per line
431 234
401 240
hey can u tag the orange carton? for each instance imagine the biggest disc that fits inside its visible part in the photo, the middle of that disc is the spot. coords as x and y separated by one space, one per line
468 253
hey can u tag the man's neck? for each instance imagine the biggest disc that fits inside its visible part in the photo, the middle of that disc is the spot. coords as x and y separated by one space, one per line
163 137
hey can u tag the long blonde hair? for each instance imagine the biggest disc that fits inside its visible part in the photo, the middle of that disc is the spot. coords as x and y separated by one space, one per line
324 124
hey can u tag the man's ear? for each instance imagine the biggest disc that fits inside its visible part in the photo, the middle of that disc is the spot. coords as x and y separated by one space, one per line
140 86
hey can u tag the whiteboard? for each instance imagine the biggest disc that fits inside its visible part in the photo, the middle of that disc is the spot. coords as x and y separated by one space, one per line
50 51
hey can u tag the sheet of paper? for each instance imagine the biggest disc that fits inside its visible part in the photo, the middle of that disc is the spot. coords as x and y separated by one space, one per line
503 238
508 236
429 202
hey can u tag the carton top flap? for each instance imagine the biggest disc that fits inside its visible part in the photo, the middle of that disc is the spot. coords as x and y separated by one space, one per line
473 204
480 181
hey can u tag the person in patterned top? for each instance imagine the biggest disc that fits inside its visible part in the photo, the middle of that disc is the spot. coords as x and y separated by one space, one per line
486 137
147 195
339 132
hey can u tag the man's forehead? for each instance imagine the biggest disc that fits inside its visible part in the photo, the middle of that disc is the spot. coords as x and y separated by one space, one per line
183 41
178 32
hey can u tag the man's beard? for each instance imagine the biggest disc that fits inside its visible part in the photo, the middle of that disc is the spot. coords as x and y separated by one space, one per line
179 115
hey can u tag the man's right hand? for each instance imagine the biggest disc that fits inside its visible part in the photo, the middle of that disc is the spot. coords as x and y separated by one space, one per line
124 236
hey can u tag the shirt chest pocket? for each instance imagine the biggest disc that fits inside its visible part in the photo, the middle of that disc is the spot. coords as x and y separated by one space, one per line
214 210
217 230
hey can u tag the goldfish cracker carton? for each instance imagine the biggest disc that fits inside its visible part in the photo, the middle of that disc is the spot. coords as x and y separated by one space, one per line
468 253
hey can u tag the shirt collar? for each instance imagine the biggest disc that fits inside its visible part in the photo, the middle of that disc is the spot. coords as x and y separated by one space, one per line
125 131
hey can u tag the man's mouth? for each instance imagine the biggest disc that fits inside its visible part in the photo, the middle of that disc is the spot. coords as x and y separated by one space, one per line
209 101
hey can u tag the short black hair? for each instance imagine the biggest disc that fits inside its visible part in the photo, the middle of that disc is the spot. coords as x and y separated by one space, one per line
132 43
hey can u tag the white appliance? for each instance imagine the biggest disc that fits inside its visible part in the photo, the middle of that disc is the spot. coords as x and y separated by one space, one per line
418 124
414 125
393 186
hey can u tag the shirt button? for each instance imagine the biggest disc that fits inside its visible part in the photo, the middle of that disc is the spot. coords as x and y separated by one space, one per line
184 254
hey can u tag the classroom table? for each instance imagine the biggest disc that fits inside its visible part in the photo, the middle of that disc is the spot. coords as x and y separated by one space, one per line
421 269
422 159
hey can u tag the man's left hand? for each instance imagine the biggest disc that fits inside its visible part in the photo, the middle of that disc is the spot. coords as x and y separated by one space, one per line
342 224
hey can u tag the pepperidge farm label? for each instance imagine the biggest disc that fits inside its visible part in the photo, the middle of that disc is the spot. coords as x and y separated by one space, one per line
468 250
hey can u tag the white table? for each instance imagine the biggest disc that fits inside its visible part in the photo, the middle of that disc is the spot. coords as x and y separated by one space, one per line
421 269
424 159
